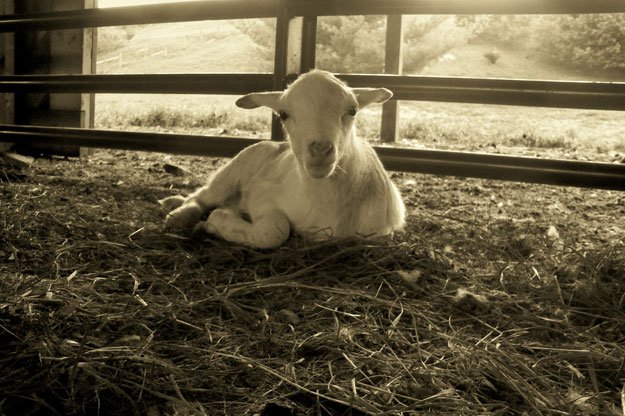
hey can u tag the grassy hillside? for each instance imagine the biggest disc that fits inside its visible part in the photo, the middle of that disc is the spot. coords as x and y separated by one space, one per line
190 47
568 132
513 62
193 47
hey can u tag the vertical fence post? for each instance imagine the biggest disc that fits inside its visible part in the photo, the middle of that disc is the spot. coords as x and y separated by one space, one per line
287 58
89 60
309 43
393 63
279 63
66 51
296 39
7 55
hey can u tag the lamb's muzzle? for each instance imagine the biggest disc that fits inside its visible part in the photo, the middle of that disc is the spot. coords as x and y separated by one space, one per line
320 151
321 159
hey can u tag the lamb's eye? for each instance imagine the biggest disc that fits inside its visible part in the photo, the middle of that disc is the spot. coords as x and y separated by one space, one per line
283 115
352 112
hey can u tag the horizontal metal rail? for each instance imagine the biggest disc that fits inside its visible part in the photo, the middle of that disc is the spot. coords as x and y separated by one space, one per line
218 146
230 83
386 7
488 166
137 15
562 94
242 9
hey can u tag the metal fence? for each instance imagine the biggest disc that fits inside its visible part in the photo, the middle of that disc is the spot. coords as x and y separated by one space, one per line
294 52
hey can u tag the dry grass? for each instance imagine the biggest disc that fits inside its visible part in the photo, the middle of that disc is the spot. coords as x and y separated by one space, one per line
480 308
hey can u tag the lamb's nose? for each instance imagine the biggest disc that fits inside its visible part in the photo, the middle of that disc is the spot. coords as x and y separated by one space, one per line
320 150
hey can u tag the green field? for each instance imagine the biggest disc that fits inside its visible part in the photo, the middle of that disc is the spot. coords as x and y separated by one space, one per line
204 47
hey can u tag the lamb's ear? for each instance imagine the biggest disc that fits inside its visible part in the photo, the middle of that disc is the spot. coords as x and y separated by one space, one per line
260 99
366 96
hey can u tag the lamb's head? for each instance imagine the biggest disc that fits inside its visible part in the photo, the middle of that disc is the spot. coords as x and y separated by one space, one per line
317 112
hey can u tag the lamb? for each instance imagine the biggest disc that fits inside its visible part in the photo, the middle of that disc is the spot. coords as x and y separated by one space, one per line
322 183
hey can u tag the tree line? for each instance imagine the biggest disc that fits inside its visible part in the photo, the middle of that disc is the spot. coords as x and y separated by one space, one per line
594 42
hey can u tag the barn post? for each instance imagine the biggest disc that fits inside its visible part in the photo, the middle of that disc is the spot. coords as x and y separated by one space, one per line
7 54
393 63
309 43
291 37
68 51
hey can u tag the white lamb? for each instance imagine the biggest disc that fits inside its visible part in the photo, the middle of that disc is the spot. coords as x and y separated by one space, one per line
323 183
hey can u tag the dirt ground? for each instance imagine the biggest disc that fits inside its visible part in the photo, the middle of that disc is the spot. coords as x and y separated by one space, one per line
461 215
125 186
538 271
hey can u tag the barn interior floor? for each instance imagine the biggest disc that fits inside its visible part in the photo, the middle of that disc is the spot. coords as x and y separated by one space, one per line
499 298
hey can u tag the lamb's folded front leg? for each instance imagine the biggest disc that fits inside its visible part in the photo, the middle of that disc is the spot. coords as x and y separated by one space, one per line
184 217
222 187
267 231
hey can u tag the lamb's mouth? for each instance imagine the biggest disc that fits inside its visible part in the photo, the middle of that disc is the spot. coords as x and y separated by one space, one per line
321 170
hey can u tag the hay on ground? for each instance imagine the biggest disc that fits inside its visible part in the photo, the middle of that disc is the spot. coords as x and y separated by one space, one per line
103 313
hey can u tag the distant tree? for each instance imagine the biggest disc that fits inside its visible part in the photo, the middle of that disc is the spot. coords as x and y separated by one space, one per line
356 43
262 32
590 42
512 29
351 43
112 38
426 38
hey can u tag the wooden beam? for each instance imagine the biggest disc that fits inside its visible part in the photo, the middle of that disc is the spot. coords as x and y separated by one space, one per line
280 62
287 58
7 67
67 51
15 160
393 64
89 60
309 43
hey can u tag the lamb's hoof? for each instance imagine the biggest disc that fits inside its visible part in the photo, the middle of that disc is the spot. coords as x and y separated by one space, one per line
183 218
203 229
171 202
